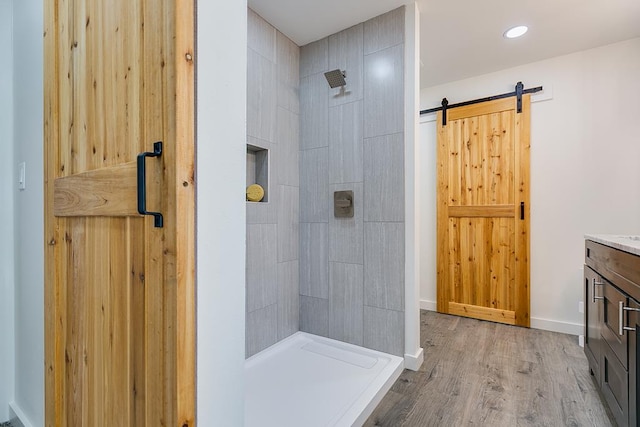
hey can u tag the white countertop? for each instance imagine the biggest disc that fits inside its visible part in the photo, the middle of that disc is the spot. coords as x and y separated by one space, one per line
625 243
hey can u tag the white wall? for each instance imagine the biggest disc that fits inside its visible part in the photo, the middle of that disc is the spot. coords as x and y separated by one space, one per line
29 211
221 157
585 176
413 353
7 360
427 189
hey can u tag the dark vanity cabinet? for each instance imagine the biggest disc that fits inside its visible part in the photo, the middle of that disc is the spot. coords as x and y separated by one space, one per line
612 317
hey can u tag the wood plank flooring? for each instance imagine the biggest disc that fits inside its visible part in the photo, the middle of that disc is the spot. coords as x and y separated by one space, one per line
489 374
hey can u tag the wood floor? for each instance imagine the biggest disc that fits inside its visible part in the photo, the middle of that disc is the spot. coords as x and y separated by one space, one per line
488 374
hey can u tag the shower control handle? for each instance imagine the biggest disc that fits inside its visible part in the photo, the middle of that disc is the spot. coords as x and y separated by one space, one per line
343 204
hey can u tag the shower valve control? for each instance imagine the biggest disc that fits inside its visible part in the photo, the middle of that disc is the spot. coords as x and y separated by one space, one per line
343 204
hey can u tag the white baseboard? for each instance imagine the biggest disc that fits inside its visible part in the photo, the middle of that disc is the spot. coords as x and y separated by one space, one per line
414 361
536 323
557 326
428 305
18 412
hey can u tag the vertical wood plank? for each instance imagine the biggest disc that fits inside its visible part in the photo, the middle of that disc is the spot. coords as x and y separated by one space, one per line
484 298
117 266
102 401
454 259
64 107
79 47
454 161
480 259
54 322
492 168
495 296
184 183
75 345
484 188
507 159
522 179
74 342
466 274
153 126
465 139
442 241
137 284
167 177
475 189
91 316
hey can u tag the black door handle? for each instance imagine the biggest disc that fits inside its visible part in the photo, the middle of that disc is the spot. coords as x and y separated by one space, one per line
142 184
521 210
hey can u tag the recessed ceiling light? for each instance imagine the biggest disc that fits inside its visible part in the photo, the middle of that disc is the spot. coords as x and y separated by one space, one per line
514 32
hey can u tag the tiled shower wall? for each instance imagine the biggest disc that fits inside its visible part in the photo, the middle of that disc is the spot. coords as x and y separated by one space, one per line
352 269
272 227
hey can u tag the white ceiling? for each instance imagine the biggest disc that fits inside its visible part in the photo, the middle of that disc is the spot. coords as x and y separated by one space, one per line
463 38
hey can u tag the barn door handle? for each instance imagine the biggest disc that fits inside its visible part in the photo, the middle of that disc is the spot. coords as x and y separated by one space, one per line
521 210
142 184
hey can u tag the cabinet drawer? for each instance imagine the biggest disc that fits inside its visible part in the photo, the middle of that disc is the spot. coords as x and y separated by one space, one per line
615 385
620 268
611 322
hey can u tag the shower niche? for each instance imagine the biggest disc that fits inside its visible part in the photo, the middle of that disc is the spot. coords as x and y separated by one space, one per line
257 174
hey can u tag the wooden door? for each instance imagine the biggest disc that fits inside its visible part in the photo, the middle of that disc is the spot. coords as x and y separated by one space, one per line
483 212
119 292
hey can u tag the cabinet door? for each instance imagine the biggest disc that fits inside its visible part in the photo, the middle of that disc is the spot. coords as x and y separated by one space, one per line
615 383
593 291
611 322
634 362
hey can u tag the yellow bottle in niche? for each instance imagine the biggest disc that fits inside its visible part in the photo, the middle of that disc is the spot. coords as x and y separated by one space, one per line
255 193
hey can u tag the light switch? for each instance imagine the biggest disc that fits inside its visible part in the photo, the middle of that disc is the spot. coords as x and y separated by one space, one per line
22 174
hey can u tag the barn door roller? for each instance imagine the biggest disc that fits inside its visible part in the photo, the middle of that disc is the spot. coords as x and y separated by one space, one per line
520 90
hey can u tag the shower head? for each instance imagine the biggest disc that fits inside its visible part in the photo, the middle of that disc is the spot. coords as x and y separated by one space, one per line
335 78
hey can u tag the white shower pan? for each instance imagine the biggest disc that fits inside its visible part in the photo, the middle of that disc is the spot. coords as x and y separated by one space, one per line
307 380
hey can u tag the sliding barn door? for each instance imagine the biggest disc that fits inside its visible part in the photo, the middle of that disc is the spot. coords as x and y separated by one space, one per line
119 291
483 212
